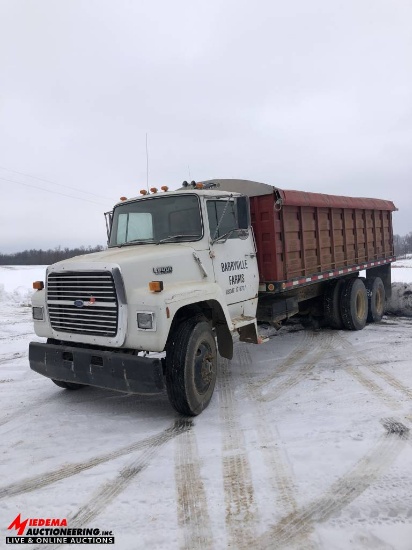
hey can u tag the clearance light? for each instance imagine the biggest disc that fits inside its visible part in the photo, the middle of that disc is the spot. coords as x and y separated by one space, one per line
143 192
38 285
123 198
156 286
199 185
164 188
153 189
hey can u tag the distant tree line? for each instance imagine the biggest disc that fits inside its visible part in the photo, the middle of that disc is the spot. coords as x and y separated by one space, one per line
403 245
46 257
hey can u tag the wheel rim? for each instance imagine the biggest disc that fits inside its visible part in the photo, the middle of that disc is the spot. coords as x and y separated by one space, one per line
204 368
379 301
360 305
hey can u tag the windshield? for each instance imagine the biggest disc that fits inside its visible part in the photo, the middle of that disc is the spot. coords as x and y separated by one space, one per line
157 219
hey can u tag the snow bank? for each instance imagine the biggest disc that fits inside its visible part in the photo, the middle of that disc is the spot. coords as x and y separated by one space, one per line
401 301
16 283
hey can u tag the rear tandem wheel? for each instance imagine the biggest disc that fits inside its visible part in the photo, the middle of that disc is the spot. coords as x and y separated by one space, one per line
354 304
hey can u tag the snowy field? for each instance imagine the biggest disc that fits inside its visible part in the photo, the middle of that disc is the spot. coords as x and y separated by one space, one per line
305 444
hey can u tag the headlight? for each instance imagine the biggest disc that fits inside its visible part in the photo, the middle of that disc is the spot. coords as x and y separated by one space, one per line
38 313
145 320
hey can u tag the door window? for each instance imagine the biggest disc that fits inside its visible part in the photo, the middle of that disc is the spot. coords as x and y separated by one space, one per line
224 212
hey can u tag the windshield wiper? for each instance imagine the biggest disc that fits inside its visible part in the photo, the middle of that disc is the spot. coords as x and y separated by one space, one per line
138 241
227 235
175 237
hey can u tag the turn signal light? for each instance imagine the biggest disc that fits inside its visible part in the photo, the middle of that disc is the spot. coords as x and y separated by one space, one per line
38 285
143 192
156 286
164 188
123 198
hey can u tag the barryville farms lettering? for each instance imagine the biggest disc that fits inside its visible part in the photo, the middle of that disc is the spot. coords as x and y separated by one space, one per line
236 279
233 266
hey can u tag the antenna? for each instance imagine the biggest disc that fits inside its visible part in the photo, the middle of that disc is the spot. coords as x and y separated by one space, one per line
147 165
188 167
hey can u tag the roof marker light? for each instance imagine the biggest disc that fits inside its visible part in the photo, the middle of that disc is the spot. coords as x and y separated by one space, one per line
153 189
164 188
143 192
123 199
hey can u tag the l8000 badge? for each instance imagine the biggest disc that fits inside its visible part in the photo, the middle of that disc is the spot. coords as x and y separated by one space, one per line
162 270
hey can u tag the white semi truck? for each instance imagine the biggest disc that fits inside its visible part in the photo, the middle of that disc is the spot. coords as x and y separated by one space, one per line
186 269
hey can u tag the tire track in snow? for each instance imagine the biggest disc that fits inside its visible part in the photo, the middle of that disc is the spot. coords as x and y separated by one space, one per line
12 357
341 493
370 385
193 514
69 470
375 368
282 483
281 478
298 353
322 343
111 489
241 513
12 336
57 397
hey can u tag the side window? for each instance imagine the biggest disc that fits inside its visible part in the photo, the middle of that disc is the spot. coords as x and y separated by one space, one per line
134 226
215 211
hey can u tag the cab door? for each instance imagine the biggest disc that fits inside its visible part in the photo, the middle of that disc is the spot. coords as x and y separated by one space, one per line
234 257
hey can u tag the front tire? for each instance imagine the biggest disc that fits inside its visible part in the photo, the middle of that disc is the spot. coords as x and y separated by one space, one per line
191 367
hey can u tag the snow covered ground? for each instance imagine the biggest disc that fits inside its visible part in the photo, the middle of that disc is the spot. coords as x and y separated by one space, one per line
305 444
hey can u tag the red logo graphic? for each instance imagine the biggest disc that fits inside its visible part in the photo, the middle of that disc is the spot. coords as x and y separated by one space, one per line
20 525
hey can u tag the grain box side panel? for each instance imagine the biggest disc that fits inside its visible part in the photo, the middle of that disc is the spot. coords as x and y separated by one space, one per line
305 240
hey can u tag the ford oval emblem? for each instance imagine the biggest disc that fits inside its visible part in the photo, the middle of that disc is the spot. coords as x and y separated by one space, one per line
79 303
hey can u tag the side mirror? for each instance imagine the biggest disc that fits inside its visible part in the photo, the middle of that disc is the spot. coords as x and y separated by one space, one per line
243 212
109 219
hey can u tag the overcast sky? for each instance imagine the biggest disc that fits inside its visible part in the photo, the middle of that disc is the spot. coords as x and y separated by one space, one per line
309 95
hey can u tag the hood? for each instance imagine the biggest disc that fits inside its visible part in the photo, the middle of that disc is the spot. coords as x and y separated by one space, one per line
138 264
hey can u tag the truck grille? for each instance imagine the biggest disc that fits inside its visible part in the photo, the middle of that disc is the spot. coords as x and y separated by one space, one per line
83 302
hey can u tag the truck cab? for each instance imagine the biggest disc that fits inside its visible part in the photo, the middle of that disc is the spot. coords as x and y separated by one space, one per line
179 273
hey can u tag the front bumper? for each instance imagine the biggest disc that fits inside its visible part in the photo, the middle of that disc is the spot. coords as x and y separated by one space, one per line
104 369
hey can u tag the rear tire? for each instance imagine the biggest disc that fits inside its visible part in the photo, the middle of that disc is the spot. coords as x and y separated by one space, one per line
354 304
68 385
376 299
331 305
191 367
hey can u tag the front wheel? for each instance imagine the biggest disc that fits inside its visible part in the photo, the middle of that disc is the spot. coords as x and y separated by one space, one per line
191 367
